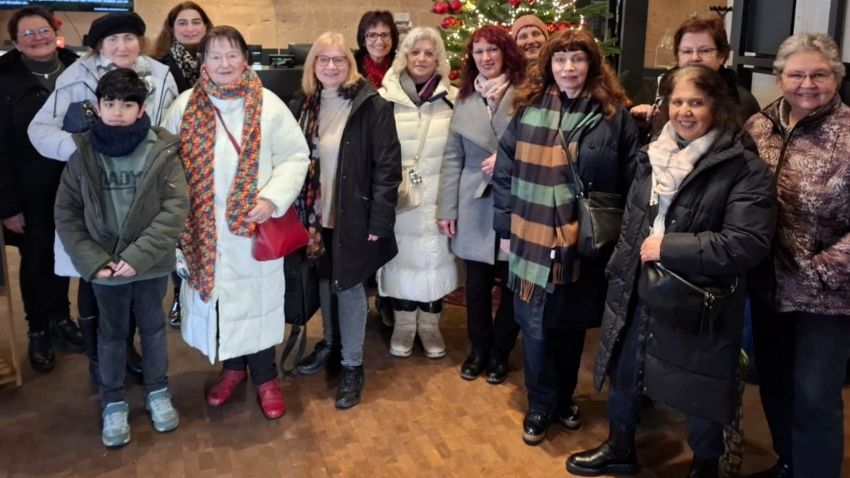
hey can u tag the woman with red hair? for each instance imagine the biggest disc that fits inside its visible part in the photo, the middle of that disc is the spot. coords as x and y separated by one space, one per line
493 68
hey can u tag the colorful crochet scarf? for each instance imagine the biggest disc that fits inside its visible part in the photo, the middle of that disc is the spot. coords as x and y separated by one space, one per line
544 229
197 146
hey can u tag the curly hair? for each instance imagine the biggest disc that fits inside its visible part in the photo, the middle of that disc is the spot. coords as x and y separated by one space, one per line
166 37
513 61
428 34
601 82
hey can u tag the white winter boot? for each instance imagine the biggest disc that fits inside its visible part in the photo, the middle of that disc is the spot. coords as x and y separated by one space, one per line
428 326
404 332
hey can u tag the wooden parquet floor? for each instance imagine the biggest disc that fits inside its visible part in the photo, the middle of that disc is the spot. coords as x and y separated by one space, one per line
418 418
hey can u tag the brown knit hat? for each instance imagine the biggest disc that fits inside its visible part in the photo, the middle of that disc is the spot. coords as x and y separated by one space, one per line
529 21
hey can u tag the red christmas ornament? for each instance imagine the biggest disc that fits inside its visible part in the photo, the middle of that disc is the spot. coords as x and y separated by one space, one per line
440 8
563 26
453 75
515 3
552 27
455 6
448 22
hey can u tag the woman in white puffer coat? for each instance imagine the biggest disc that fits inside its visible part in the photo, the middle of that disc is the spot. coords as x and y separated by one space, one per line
424 270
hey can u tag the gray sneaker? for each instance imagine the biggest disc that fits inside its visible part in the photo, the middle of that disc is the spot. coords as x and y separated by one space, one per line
116 430
163 414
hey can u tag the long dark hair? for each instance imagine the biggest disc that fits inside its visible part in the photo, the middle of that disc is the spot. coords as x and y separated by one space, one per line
513 61
367 21
166 36
601 82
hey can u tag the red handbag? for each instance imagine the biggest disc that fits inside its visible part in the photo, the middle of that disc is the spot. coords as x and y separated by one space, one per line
279 237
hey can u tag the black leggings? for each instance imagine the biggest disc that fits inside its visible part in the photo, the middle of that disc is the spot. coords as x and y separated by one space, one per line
410 305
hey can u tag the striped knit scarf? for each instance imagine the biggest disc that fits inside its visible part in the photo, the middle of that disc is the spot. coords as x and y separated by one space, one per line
544 229
197 146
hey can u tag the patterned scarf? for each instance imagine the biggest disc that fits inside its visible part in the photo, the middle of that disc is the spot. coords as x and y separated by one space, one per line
375 71
197 146
309 202
544 229
186 62
492 90
671 164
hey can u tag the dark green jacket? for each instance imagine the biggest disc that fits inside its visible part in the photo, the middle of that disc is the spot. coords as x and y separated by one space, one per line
149 236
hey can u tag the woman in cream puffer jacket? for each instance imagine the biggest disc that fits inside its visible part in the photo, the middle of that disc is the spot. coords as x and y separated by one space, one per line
424 270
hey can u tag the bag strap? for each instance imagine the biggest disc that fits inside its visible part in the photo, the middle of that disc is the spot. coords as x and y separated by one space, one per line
226 130
569 151
422 139
296 335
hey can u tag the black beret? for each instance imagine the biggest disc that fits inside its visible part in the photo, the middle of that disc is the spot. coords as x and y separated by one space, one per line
122 22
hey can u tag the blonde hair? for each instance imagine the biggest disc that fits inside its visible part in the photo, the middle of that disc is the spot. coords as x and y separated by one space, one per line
423 33
309 82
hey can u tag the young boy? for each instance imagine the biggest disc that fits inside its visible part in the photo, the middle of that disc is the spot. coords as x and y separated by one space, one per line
119 209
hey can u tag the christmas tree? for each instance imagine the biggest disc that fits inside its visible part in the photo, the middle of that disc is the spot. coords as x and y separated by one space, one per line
461 18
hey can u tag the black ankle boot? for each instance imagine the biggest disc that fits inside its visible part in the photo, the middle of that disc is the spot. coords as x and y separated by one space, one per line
318 358
350 387
615 456
67 331
40 352
174 313
704 468
474 365
88 328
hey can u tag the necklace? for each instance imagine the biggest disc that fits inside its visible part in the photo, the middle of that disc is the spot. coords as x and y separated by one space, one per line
47 75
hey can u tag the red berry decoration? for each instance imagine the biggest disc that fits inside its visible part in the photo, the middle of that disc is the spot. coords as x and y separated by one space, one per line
515 3
440 8
455 6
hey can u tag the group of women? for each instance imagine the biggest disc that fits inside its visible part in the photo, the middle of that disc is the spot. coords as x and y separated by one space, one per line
497 173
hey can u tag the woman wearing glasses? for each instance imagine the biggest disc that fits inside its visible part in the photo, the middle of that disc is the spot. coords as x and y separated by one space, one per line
347 202
377 41
801 324
493 67
28 181
697 41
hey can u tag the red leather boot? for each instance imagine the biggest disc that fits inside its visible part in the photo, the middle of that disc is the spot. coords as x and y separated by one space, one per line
271 399
223 388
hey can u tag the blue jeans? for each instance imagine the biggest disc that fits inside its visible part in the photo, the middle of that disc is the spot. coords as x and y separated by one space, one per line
801 361
551 358
624 400
114 302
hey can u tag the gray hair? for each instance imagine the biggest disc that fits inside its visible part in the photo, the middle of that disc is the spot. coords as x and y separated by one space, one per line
423 33
803 42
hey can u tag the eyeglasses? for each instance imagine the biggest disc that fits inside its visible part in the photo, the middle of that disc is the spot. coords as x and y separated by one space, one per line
373 36
701 52
490 51
323 60
798 77
42 32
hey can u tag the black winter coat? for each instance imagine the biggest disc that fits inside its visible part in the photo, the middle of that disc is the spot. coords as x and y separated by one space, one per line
366 189
25 175
607 156
181 81
719 225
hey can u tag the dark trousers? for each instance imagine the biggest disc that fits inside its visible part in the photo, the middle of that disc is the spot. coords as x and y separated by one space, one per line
495 336
624 400
801 360
114 303
44 294
551 358
261 365
434 307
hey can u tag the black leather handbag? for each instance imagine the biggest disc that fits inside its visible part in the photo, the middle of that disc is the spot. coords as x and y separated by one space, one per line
301 302
689 305
600 215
